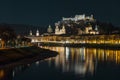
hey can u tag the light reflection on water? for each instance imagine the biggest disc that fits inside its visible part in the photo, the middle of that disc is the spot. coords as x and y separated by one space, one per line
74 60
83 60
9 72
79 61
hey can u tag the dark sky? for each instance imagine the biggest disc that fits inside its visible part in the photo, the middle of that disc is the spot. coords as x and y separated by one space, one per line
45 12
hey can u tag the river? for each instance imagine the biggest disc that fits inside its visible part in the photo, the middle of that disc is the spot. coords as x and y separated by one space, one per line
71 64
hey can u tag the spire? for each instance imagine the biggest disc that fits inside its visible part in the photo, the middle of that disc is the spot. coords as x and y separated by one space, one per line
37 32
56 30
49 30
96 28
30 33
92 16
63 29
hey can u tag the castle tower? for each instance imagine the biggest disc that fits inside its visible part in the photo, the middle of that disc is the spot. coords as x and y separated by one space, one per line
49 30
57 30
30 33
37 32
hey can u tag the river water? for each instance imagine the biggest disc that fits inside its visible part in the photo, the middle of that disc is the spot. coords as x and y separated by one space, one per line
71 64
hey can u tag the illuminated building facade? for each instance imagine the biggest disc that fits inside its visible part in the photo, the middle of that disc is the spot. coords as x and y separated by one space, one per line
59 31
89 30
79 17
37 32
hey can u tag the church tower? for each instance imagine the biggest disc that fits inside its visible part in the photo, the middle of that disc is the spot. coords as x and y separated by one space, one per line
49 30
37 32
96 28
30 33
63 30
56 30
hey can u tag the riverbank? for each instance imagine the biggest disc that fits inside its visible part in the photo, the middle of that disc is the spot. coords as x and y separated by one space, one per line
25 55
92 45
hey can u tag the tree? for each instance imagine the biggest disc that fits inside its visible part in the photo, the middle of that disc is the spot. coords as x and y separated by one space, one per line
6 33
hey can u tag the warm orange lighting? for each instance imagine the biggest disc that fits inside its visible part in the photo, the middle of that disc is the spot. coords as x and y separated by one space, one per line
1 74
81 60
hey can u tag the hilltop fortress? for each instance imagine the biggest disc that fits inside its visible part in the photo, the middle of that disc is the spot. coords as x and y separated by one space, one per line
79 17
75 24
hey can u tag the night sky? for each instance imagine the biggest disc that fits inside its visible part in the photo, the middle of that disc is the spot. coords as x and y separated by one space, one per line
45 12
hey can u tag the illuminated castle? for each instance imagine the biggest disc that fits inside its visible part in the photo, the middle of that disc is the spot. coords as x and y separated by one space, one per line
60 31
79 17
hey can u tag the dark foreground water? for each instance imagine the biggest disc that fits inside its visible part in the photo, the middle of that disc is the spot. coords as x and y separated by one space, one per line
71 64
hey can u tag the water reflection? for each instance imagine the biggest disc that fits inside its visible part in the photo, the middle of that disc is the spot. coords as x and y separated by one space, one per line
79 61
9 72
83 61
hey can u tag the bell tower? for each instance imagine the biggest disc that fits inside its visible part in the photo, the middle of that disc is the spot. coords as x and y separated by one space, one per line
49 30
56 30
37 32
30 33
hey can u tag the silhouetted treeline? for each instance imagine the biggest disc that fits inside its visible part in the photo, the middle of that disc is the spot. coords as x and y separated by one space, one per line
108 28
6 32
24 29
